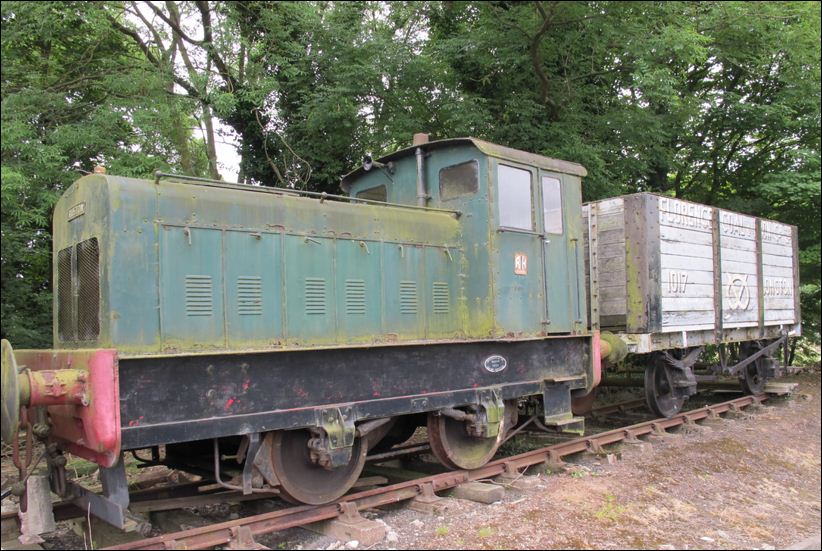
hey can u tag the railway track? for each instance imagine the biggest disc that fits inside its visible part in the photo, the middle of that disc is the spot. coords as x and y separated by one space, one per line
240 533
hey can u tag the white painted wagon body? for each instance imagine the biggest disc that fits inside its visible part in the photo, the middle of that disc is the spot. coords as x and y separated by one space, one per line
665 273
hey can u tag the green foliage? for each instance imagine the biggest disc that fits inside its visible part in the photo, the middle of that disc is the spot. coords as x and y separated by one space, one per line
73 96
715 102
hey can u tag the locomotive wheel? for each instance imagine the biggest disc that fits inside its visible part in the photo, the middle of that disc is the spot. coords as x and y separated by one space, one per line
10 414
659 394
751 378
456 449
303 481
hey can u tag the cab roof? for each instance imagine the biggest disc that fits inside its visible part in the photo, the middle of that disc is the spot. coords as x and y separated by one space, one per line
488 148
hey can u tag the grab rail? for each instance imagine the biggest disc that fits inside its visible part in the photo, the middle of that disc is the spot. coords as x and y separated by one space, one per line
322 196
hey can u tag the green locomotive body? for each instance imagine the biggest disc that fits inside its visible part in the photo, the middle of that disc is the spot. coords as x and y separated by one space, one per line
168 267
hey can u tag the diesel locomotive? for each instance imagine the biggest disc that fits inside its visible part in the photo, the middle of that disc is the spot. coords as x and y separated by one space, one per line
457 284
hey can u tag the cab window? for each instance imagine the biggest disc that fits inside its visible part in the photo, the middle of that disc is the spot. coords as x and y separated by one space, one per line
514 198
551 205
378 193
459 180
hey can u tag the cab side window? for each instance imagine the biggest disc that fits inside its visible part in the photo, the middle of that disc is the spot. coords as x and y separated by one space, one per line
378 193
552 204
514 198
459 180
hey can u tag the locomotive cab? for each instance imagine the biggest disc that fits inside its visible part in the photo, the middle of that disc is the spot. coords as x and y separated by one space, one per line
520 226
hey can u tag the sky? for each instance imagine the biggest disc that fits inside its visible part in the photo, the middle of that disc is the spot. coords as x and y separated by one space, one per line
228 159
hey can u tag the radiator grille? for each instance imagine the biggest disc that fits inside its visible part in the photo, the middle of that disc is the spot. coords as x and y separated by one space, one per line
442 298
408 297
354 296
88 290
315 302
65 298
250 296
199 295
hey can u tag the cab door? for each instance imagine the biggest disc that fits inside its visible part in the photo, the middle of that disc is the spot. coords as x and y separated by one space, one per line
560 255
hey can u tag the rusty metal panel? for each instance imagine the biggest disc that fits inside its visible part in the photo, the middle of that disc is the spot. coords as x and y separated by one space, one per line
442 291
310 289
191 288
404 278
359 297
253 288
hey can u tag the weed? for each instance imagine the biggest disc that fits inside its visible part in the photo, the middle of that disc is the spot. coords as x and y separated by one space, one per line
485 532
610 510
441 531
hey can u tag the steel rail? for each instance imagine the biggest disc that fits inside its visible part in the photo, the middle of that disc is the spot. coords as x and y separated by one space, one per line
225 532
617 408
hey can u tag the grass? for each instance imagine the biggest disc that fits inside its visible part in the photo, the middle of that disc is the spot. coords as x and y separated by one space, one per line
441 531
610 510
485 532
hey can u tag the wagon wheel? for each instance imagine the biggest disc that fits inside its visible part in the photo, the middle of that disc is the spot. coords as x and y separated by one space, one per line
659 390
302 480
456 449
752 377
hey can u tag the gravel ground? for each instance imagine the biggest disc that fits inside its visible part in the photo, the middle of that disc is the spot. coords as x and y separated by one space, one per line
747 483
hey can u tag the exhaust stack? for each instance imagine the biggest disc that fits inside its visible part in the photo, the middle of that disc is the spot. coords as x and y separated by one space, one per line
419 140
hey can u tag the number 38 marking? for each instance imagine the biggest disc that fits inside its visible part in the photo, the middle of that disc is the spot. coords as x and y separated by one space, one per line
677 281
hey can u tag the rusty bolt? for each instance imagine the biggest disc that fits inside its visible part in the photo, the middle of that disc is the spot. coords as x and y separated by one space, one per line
41 431
56 388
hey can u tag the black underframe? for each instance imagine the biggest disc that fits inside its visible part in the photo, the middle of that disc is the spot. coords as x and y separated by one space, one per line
179 399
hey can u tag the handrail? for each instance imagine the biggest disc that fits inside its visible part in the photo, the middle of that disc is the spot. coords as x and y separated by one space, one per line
322 196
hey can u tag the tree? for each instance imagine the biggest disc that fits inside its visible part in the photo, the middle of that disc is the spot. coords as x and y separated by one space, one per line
74 95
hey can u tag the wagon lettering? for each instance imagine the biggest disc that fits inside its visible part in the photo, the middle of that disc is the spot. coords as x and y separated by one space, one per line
777 287
739 294
685 215
734 225
677 282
